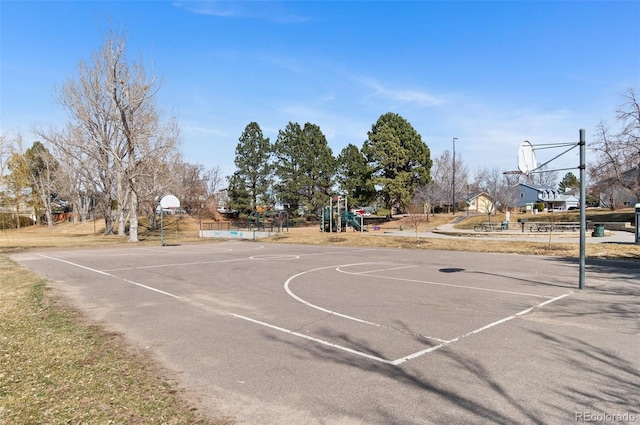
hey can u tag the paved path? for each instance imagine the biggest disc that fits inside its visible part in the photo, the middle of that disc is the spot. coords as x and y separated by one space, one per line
449 231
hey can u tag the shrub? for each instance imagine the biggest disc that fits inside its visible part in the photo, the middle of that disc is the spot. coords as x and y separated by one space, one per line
8 221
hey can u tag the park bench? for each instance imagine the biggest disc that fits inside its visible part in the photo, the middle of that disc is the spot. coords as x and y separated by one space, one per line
488 227
554 227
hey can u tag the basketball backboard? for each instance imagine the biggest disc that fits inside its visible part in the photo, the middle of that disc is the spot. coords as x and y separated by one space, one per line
526 158
169 201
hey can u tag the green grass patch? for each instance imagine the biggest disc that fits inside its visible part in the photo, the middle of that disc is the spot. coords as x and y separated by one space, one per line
56 370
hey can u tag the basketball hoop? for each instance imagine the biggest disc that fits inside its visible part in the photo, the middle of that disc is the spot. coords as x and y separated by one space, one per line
513 177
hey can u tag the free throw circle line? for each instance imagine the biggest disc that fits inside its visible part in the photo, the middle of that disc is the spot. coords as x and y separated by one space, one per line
274 257
317 307
287 288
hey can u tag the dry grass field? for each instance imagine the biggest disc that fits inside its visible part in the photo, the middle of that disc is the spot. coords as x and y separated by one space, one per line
54 368
183 229
57 369
412 240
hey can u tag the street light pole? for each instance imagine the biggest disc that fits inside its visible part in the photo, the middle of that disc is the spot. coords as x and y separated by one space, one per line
453 182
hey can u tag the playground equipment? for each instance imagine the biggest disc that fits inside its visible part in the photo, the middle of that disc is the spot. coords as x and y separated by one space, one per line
332 221
269 219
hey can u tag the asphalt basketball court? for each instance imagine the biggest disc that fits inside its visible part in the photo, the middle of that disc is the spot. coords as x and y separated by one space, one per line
274 333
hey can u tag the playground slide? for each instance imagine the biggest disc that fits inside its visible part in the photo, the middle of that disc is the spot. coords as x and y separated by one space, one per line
354 221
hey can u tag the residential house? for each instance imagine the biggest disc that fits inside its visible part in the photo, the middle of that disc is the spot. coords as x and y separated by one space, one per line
615 195
552 198
480 203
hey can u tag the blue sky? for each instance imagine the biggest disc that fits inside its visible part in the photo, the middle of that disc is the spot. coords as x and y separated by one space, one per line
491 74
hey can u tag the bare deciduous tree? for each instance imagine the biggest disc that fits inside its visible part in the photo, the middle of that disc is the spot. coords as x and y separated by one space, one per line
543 177
79 178
495 184
4 153
417 216
115 131
159 178
215 179
5 149
618 151
438 192
428 196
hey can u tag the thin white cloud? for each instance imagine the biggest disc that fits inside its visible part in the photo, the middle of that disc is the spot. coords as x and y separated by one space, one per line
401 96
489 135
212 8
262 10
291 64
338 129
206 131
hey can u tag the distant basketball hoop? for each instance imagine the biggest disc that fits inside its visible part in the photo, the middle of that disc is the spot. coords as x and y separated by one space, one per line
513 177
527 164
168 202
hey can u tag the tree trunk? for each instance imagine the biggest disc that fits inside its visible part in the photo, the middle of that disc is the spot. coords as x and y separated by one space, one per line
133 218
122 206
121 223
49 217
108 226
108 217
46 200
76 210
154 220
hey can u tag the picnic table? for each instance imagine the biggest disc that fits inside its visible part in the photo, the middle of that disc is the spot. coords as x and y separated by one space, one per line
554 227
488 227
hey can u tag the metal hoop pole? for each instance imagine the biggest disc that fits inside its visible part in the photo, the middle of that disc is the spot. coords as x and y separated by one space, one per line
583 215
453 182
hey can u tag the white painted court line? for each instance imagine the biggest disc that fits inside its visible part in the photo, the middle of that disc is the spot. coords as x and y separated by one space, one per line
275 257
476 331
443 343
428 282
307 303
335 313
168 251
158 266
297 334
279 257
221 247
378 270
317 340
310 338
113 276
340 251
406 358
164 250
